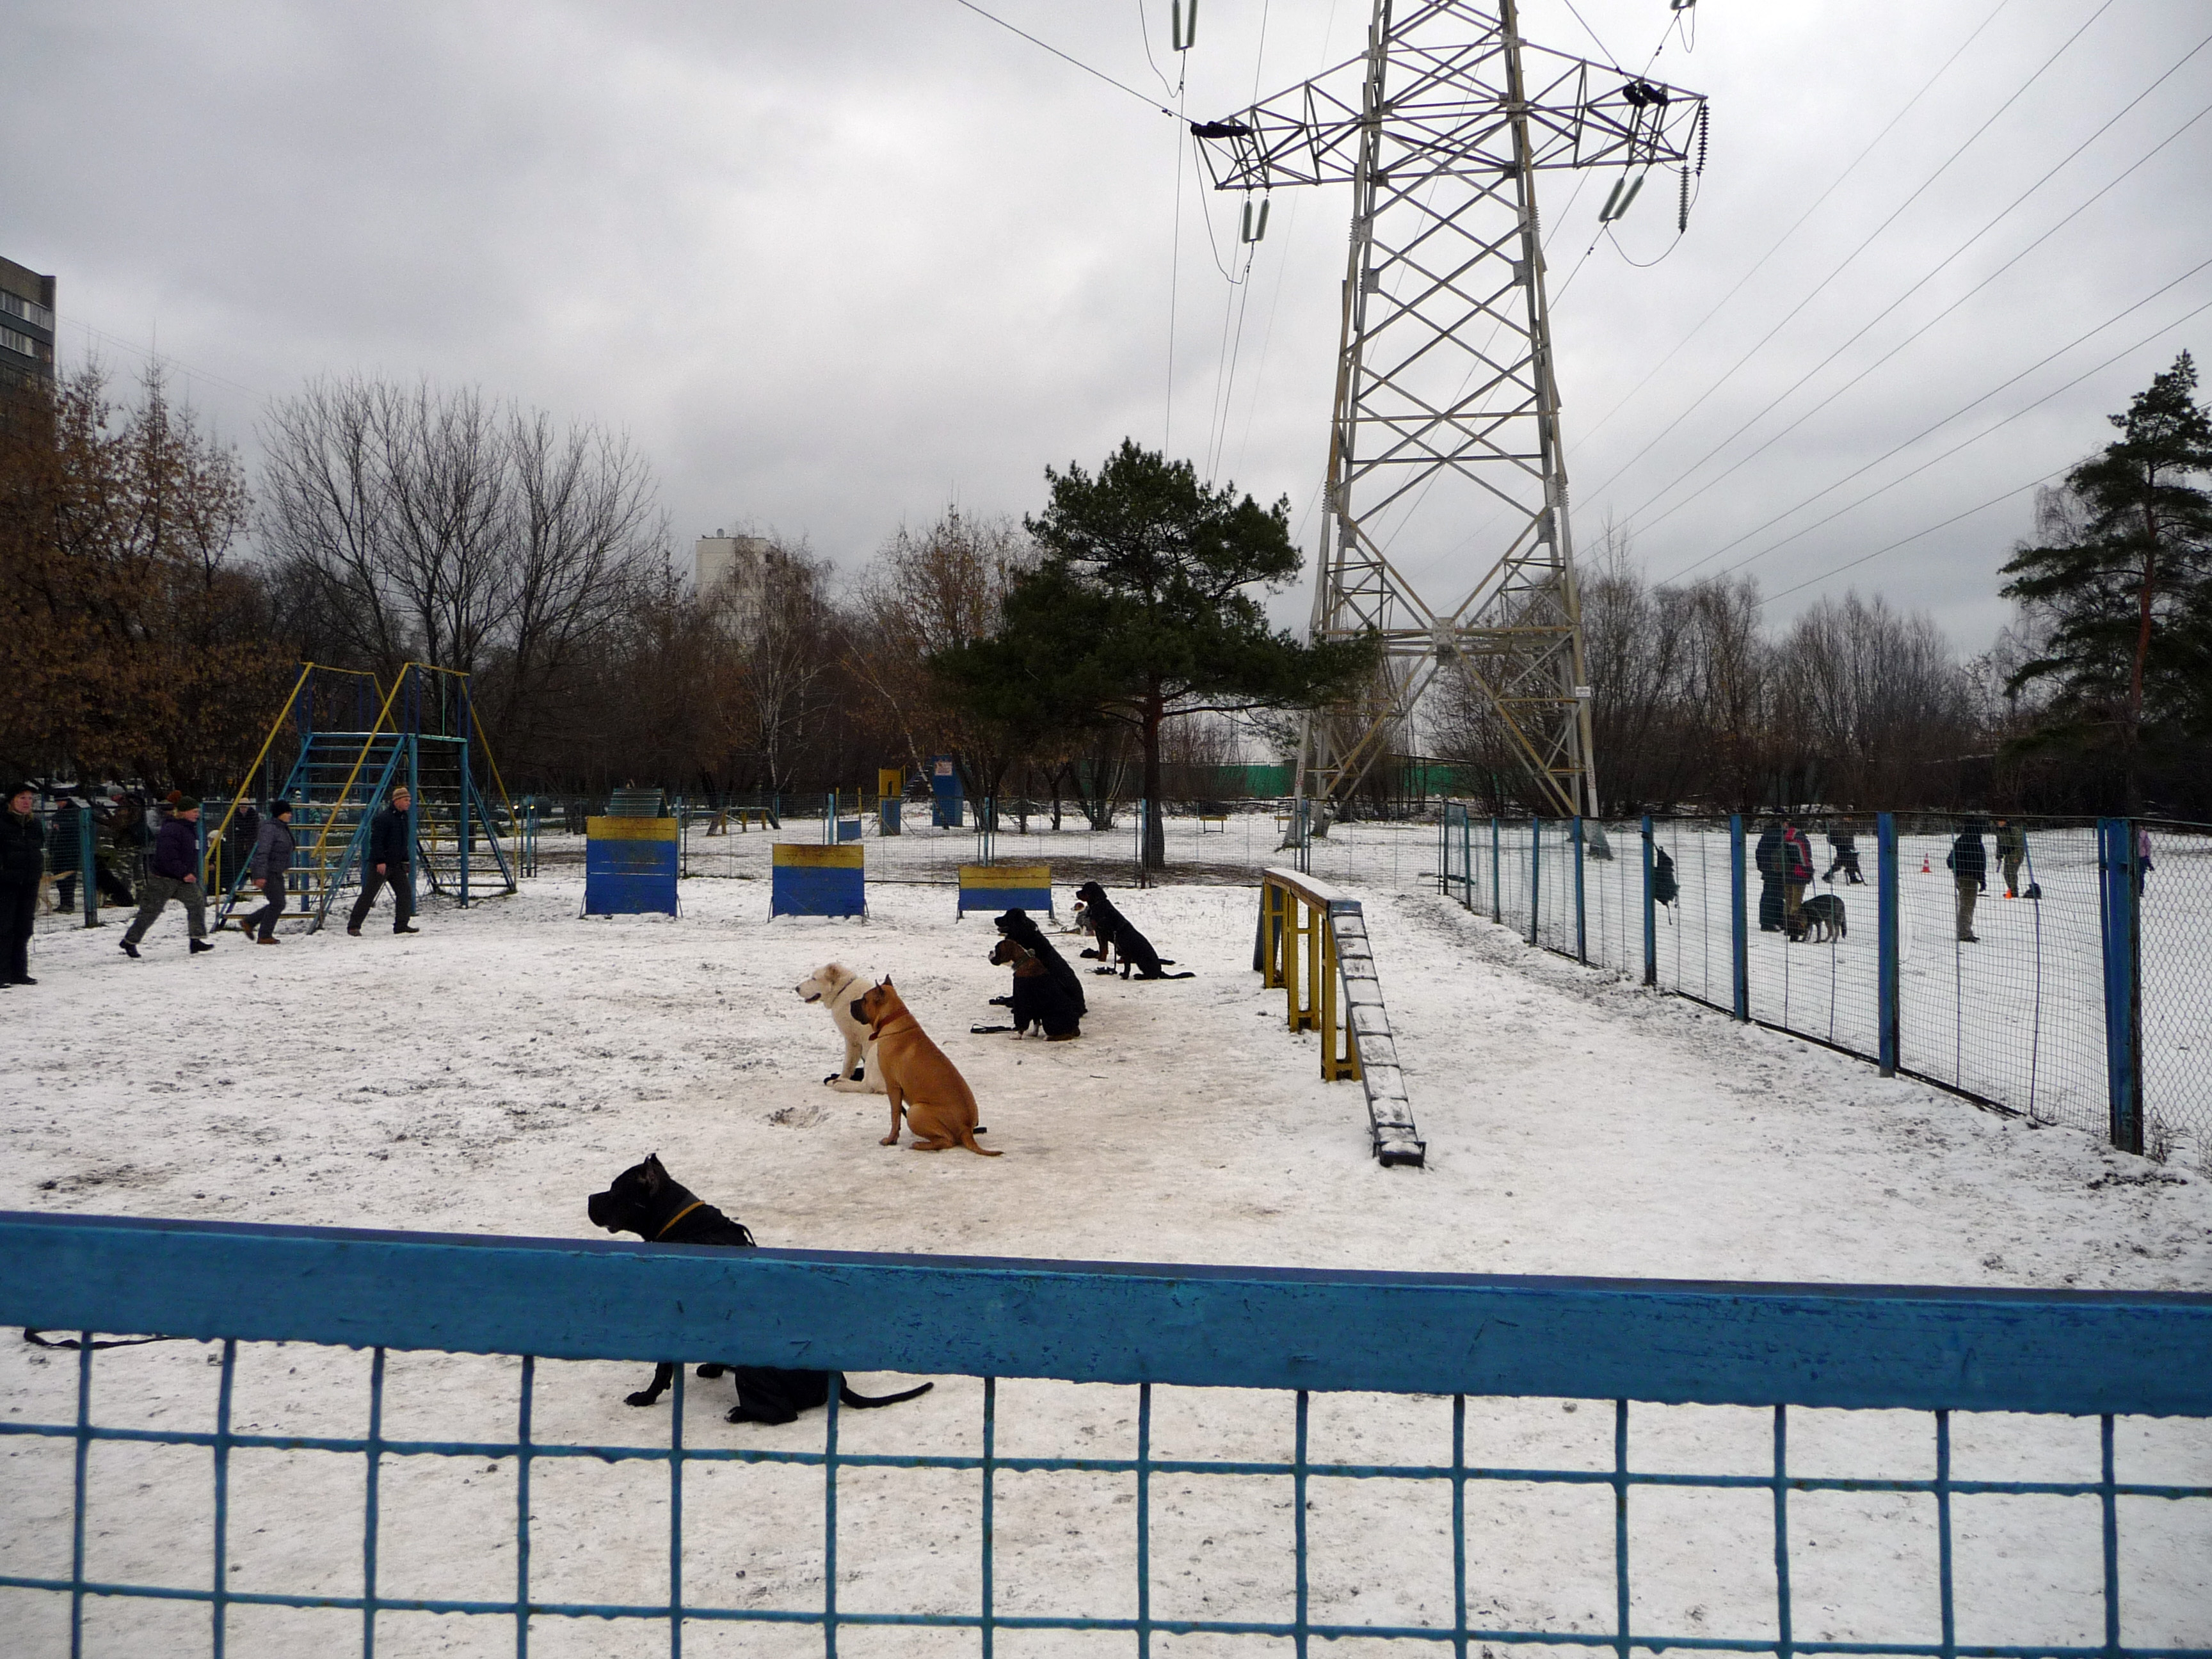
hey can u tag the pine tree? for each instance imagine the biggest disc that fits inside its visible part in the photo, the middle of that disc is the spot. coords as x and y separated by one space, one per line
2127 596
1143 609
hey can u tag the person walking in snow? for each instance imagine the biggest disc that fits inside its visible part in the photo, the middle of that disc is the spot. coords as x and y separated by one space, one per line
2012 849
23 862
2143 865
1768 856
1844 854
271 870
390 863
1969 863
173 872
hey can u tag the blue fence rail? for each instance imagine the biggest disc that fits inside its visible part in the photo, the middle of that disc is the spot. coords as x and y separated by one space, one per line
1472 1341
2079 1000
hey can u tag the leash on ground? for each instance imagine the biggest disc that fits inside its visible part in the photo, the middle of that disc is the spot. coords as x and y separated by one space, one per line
72 1345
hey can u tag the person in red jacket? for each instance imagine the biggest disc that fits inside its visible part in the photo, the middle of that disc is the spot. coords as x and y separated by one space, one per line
1796 874
173 872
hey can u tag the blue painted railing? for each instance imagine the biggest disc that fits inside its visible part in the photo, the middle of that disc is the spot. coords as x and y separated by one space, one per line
1776 1346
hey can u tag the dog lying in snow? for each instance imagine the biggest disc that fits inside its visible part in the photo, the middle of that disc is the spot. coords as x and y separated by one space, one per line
837 989
1116 935
920 1081
645 1200
1038 999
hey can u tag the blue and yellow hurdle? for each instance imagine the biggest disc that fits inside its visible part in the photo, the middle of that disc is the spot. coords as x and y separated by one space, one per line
1005 887
819 881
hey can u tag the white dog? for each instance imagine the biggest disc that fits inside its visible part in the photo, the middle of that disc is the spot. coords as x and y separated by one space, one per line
838 988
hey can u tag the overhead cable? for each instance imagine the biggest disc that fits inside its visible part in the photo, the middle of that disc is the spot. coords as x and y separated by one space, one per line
1759 264
1800 382
1063 57
2164 329
1865 243
1925 431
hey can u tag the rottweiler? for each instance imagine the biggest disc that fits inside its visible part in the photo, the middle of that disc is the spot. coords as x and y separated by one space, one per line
1020 926
1039 999
645 1200
1115 934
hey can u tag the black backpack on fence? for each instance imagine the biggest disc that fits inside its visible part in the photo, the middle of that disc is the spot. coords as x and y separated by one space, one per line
1664 888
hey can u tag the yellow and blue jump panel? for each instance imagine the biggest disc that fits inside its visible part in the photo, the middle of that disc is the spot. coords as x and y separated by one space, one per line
819 881
630 867
1005 887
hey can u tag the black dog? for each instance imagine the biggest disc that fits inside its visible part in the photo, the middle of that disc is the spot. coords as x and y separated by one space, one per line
644 1201
1039 998
1114 934
1021 929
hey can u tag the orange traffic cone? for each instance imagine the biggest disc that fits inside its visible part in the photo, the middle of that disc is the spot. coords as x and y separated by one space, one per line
1924 870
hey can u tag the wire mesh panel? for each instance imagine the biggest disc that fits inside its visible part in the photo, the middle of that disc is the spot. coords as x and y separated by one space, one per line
1818 1469
1808 971
2000 991
2175 919
1692 930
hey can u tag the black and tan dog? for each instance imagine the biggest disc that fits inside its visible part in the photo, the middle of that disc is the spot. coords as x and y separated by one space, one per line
1038 999
1819 920
646 1201
1020 926
1117 937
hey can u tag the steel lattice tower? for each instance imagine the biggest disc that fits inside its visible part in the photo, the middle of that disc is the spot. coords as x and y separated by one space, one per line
1444 443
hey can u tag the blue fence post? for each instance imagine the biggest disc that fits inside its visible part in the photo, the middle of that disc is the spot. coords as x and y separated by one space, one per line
1738 936
1466 858
1650 913
2116 912
461 833
1535 876
1497 892
1887 1022
1582 930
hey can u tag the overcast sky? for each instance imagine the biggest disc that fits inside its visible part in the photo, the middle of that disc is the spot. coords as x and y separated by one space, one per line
832 265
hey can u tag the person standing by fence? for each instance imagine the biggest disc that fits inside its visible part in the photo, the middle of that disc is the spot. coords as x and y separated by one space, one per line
390 861
1796 874
271 869
1970 868
22 863
1768 856
2011 848
173 873
2143 865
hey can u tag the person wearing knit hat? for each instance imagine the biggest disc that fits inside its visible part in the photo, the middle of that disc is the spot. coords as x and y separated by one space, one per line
22 861
173 872
271 871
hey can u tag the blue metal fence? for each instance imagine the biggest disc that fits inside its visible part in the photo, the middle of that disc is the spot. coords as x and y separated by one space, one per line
1779 1348
2037 1004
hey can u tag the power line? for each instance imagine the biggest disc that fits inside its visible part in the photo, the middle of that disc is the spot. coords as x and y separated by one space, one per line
1902 541
2138 346
1720 305
1925 431
1865 243
1102 75
1800 382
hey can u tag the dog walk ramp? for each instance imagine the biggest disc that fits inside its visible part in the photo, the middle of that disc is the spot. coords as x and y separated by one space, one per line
1312 942
1389 1112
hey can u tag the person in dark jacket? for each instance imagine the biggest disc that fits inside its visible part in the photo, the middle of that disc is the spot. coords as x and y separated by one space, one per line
1844 854
2012 853
271 870
173 872
1769 857
23 862
65 850
1970 868
390 861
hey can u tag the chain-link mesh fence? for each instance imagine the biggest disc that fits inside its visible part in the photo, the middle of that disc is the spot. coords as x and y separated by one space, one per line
2004 943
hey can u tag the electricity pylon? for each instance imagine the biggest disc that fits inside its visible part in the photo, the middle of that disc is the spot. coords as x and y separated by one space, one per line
1446 412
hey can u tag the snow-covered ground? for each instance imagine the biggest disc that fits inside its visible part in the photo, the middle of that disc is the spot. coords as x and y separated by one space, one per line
486 1076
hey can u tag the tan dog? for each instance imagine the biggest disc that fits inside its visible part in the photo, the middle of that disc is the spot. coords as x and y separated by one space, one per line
919 1080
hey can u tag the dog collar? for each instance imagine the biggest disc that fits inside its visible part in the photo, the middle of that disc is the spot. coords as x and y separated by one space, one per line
697 1203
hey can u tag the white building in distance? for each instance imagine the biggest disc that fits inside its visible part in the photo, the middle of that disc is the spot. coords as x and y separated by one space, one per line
732 571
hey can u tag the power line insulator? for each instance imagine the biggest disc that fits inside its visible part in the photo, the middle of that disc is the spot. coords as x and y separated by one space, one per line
1182 31
1254 231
